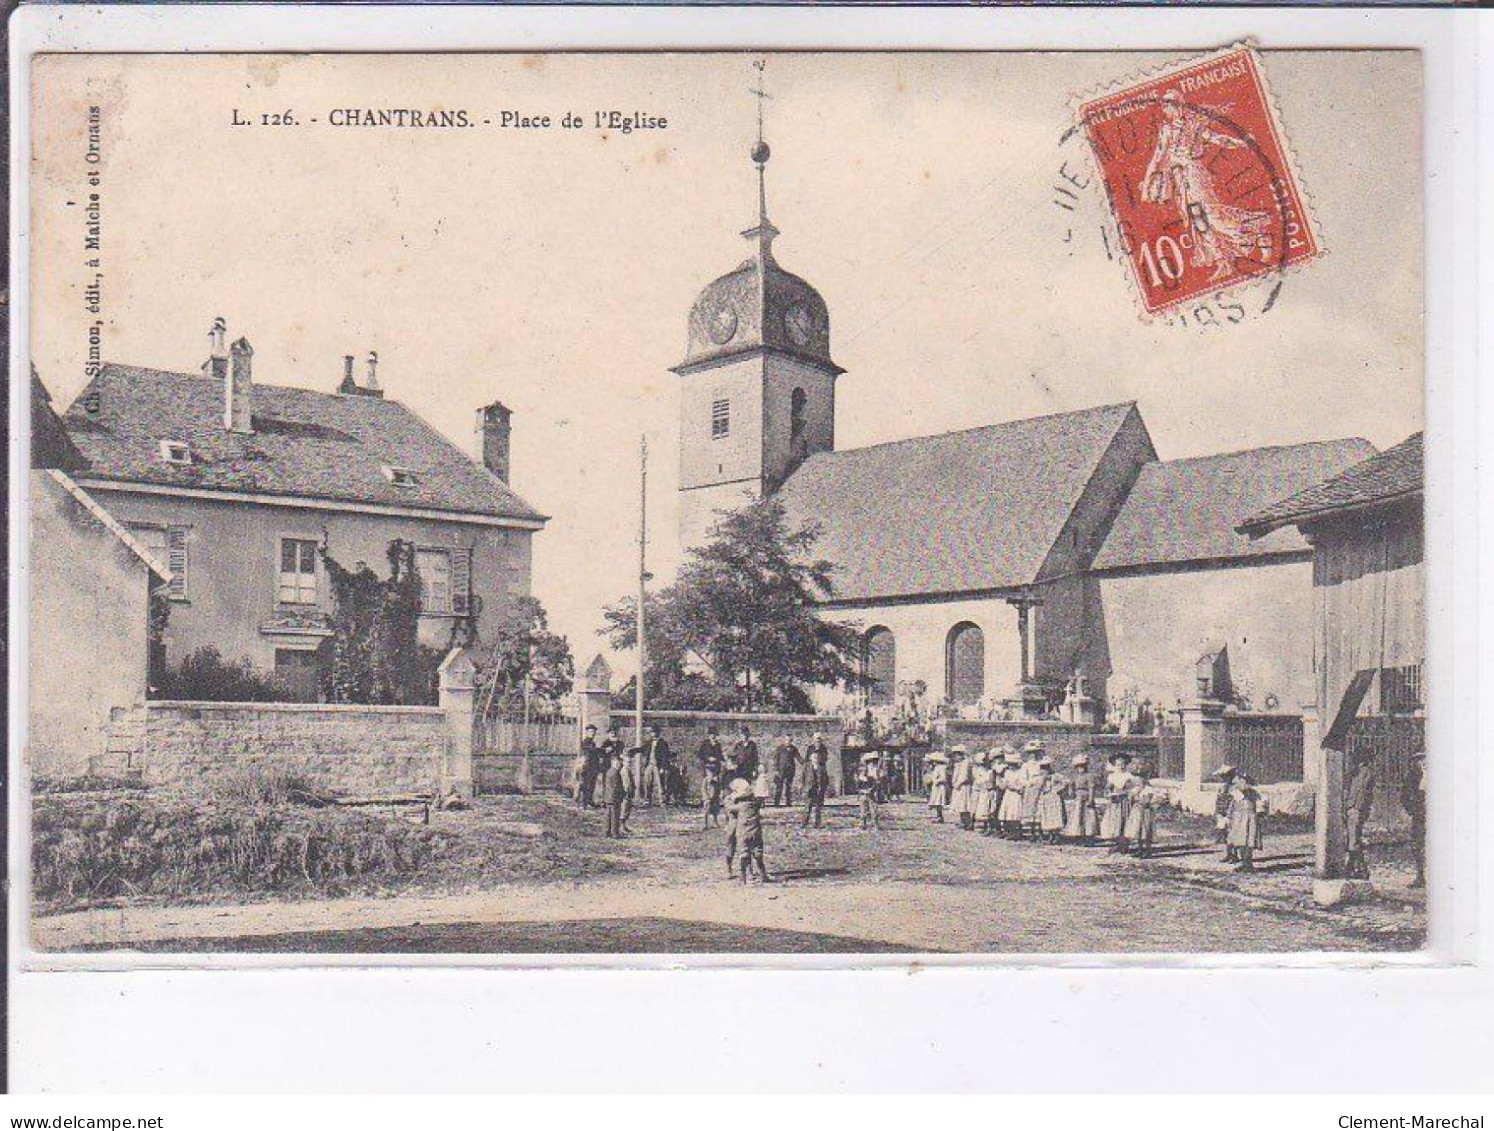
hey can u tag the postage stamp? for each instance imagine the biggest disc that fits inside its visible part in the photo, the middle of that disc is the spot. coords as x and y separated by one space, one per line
1199 180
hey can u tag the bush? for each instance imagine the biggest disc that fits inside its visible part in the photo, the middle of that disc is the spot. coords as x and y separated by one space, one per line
255 785
206 675
90 849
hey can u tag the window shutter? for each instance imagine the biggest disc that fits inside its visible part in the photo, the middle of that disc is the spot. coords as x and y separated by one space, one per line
461 581
176 561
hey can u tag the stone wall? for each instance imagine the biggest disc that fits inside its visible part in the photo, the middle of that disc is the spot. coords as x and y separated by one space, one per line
348 750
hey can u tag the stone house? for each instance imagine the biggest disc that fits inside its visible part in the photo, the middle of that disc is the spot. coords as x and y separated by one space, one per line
235 483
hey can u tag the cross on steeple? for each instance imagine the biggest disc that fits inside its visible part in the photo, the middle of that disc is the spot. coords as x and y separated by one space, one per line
764 231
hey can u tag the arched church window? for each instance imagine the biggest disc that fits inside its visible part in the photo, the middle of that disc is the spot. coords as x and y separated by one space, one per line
965 664
881 666
797 402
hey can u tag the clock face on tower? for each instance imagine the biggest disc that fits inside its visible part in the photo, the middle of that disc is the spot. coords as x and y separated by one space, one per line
722 324
798 322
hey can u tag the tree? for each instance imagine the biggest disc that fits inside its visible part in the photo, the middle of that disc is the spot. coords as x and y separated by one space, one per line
374 653
740 627
519 648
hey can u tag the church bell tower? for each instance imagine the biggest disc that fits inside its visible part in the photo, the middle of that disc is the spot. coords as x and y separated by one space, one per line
757 393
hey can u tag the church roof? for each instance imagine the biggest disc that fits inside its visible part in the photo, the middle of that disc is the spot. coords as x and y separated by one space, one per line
1186 511
304 444
757 306
976 510
1391 476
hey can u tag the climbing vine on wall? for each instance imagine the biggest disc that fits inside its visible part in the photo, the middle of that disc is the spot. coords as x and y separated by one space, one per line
374 654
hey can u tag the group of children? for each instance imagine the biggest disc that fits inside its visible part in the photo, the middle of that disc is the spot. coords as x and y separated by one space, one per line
1021 797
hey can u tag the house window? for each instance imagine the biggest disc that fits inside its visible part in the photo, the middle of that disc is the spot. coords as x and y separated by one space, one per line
401 476
168 545
297 571
434 567
176 451
720 419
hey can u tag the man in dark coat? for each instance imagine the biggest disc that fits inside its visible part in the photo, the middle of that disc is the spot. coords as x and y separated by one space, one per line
1359 796
658 767
816 779
1414 802
591 768
744 761
614 794
613 748
712 759
785 763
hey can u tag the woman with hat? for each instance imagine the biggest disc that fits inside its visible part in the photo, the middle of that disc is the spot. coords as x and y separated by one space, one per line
962 784
983 786
1051 814
867 785
1009 817
1083 823
1119 782
1226 776
936 777
1242 834
1034 779
1141 822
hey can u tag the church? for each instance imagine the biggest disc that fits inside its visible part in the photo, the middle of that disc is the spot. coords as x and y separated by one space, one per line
1053 564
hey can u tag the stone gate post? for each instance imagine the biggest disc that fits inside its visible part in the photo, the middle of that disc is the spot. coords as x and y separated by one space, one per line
458 699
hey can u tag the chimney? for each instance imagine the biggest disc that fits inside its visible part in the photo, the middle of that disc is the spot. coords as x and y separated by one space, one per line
216 366
373 376
492 438
348 384
236 390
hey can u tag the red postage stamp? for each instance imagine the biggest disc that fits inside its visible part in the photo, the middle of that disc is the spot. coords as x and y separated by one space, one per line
1198 178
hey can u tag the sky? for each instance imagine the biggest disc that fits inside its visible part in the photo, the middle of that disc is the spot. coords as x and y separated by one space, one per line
554 268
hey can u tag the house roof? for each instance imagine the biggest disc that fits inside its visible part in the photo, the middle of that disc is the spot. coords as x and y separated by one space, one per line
1186 510
50 445
1392 475
964 511
108 522
304 444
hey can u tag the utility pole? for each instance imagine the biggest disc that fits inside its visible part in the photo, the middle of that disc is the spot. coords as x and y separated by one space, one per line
642 587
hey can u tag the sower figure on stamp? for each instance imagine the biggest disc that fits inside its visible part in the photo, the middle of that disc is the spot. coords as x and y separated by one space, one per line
785 762
816 779
1359 797
1180 172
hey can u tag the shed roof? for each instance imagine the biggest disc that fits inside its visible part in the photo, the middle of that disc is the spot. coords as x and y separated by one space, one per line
1389 476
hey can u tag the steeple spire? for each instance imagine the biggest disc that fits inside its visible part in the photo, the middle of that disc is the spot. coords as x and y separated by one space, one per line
762 234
